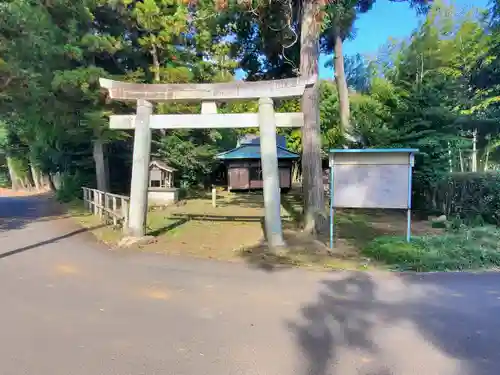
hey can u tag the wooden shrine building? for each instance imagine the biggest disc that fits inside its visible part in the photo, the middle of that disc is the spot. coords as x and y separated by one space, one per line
244 166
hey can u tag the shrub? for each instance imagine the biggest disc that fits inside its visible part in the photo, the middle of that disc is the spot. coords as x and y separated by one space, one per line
474 197
470 248
4 178
71 187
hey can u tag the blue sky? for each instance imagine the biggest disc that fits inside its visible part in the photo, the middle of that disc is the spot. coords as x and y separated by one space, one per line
385 20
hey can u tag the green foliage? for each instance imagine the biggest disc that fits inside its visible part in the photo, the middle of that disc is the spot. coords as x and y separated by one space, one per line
53 53
71 187
466 249
470 196
430 92
191 153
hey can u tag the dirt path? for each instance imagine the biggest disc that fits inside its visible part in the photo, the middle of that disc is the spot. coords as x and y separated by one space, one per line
18 193
71 306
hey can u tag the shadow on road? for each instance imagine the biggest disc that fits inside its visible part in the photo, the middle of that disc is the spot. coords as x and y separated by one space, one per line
461 319
17 212
49 241
457 319
338 317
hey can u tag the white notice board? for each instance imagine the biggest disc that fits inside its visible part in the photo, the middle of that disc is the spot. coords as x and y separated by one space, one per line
371 180
370 186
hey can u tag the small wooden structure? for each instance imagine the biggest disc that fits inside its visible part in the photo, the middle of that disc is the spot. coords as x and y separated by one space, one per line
161 183
244 166
161 175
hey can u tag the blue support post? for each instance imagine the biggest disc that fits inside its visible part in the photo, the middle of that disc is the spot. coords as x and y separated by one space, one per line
332 212
408 213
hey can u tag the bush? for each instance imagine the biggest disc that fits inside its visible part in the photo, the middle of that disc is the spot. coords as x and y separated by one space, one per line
470 248
471 196
4 178
71 187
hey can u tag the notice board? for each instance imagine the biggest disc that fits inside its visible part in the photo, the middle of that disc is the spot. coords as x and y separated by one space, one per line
371 179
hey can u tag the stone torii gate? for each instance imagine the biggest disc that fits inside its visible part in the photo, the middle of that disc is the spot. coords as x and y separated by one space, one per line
209 94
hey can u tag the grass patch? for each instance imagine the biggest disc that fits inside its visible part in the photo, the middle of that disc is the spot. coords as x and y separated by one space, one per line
106 233
234 231
464 249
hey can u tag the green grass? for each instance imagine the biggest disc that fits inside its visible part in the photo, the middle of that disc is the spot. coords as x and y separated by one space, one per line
464 249
106 233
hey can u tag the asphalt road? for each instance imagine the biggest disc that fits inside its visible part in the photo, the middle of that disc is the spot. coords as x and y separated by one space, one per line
70 306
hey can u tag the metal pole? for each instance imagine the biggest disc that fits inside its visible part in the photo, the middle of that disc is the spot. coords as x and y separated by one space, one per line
140 170
270 175
408 213
332 211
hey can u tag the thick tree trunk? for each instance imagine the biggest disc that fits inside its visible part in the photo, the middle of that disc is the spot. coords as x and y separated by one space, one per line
100 165
486 160
342 89
156 64
36 175
314 203
14 178
52 186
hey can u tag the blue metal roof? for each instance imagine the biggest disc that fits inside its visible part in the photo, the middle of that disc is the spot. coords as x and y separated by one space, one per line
254 139
345 150
252 151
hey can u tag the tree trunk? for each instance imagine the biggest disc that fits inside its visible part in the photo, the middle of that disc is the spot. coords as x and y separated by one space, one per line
314 203
52 186
486 160
156 64
36 175
295 172
14 178
342 89
462 168
450 162
474 151
100 165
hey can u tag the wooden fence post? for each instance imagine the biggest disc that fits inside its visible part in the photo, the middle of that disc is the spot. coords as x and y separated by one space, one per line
106 204
84 198
101 210
115 221
95 199
124 207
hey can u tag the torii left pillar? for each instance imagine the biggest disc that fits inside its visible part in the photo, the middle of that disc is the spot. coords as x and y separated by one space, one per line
140 170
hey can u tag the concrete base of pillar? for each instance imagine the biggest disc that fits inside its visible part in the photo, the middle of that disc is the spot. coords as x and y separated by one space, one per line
131 241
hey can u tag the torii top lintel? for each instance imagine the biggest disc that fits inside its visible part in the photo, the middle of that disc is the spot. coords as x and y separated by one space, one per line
282 88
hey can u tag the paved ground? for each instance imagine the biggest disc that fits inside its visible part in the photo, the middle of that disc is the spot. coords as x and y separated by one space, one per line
69 306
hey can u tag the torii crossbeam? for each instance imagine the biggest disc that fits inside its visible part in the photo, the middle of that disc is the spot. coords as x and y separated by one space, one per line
209 94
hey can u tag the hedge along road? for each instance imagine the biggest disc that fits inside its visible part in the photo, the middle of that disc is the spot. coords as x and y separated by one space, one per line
71 306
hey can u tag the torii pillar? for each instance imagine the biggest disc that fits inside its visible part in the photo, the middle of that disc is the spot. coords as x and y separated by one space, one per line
208 94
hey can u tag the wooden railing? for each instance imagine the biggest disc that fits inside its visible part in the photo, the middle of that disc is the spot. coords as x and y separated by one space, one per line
107 206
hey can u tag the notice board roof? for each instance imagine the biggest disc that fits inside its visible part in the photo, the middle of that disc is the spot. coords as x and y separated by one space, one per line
366 150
